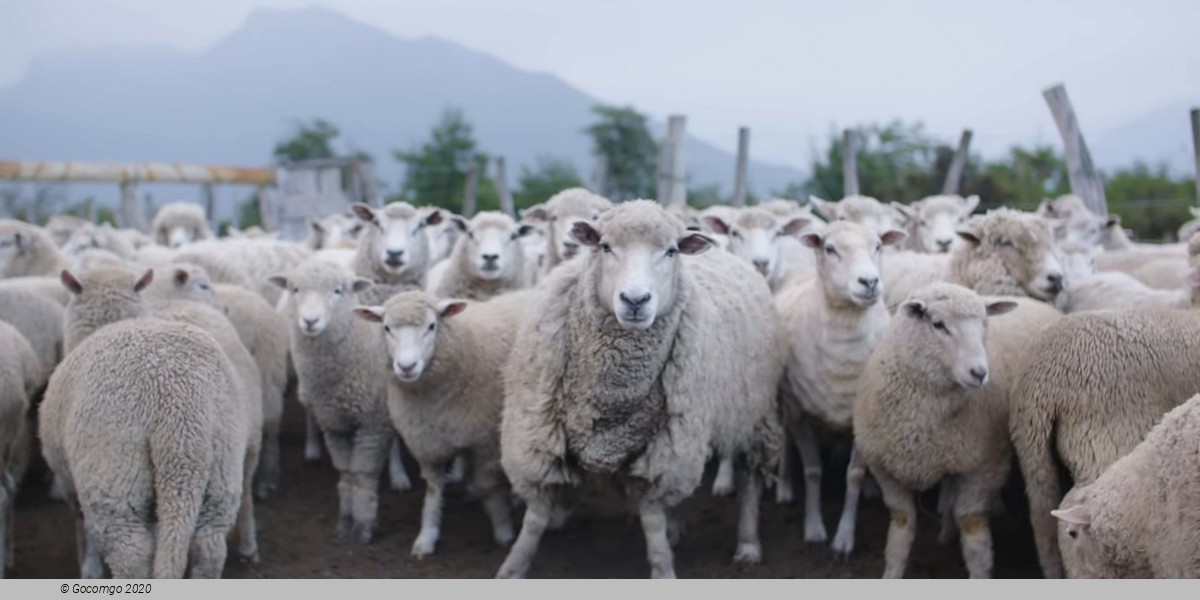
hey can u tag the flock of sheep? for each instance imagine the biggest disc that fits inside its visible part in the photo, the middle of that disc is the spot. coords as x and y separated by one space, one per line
625 345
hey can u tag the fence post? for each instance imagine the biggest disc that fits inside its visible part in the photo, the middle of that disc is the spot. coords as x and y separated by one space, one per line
264 208
1196 147
600 174
677 190
210 205
132 215
849 163
743 157
468 210
1085 181
954 173
506 199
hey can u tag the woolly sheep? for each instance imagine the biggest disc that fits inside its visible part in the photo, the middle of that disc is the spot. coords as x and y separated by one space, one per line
1071 220
141 422
1116 290
39 319
393 249
1188 229
42 285
178 224
443 235
488 261
560 213
103 237
933 407
723 214
635 365
245 262
831 322
26 250
342 382
21 373
446 393
1092 385
931 222
1139 518
60 228
864 210
335 231
758 237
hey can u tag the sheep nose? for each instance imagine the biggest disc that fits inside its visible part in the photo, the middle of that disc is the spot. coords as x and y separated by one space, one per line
869 282
407 367
980 374
490 258
310 323
395 254
1056 281
944 245
761 265
635 302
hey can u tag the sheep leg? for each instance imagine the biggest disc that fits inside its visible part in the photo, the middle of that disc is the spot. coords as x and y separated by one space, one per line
247 535
658 547
312 438
560 514
946 500
1036 456
810 458
340 452
784 492
8 491
903 526
127 543
431 511
971 508
458 470
208 552
749 550
723 483
396 471
91 563
488 482
268 468
533 526
843 540
674 527
370 454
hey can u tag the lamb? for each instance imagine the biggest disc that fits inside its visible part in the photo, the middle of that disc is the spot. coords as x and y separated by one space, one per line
933 407
103 237
1092 385
335 231
931 221
393 251
1116 290
47 287
39 319
26 250
723 214
488 261
342 383
445 394
864 210
21 373
443 235
1139 518
1071 220
560 213
178 224
759 238
142 424
636 365
245 262
60 228
832 322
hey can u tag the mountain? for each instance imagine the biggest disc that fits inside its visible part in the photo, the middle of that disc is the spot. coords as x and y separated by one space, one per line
230 103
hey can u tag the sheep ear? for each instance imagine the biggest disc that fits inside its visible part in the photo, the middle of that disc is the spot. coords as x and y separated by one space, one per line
317 227
525 230
448 308
181 277
1112 221
364 212
970 203
825 208
906 211
373 314
144 281
535 213
19 238
796 225
812 240
914 309
892 237
459 222
361 284
695 243
585 234
1001 307
1076 515
69 281
1046 209
434 218
279 281
717 225
968 235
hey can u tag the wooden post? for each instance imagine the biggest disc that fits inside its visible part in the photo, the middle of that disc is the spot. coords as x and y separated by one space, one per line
849 163
264 208
210 205
366 171
506 199
743 158
600 174
677 190
131 215
1196 146
954 173
1085 181
663 182
468 209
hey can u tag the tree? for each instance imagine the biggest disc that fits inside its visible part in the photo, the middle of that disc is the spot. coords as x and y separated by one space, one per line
311 140
895 162
1149 201
436 171
622 138
548 177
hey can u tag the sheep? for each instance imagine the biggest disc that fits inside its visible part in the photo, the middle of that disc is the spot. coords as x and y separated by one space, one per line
393 250
633 367
45 286
1139 518
489 260
759 238
1092 385
141 422
39 319
178 224
443 235
245 262
1188 229
863 210
723 214
1116 290
21 373
445 394
103 237
932 406
342 382
26 250
334 231
831 322
560 213
931 221
60 228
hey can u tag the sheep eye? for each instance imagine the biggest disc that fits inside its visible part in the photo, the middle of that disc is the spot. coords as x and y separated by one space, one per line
830 250
1005 242
471 234
1074 534
337 291
735 233
878 247
941 326
606 248
671 252
387 328
432 326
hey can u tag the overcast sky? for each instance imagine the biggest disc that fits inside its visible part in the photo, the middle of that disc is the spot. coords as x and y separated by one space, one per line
790 70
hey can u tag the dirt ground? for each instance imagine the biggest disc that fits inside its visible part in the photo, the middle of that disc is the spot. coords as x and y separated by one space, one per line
296 536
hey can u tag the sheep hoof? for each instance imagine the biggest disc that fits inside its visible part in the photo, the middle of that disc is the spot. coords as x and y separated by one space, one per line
722 486
423 547
364 532
842 546
345 527
504 535
264 490
248 558
815 533
401 484
91 569
784 494
748 554
507 572
312 453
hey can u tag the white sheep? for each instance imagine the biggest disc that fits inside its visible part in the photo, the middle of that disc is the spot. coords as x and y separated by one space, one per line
178 224
487 260
142 423
1139 518
560 213
393 249
336 231
446 393
639 361
61 227
442 235
931 222
102 237
768 243
21 373
1091 386
864 210
932 408
27 251
246 262
832 322
1116 290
